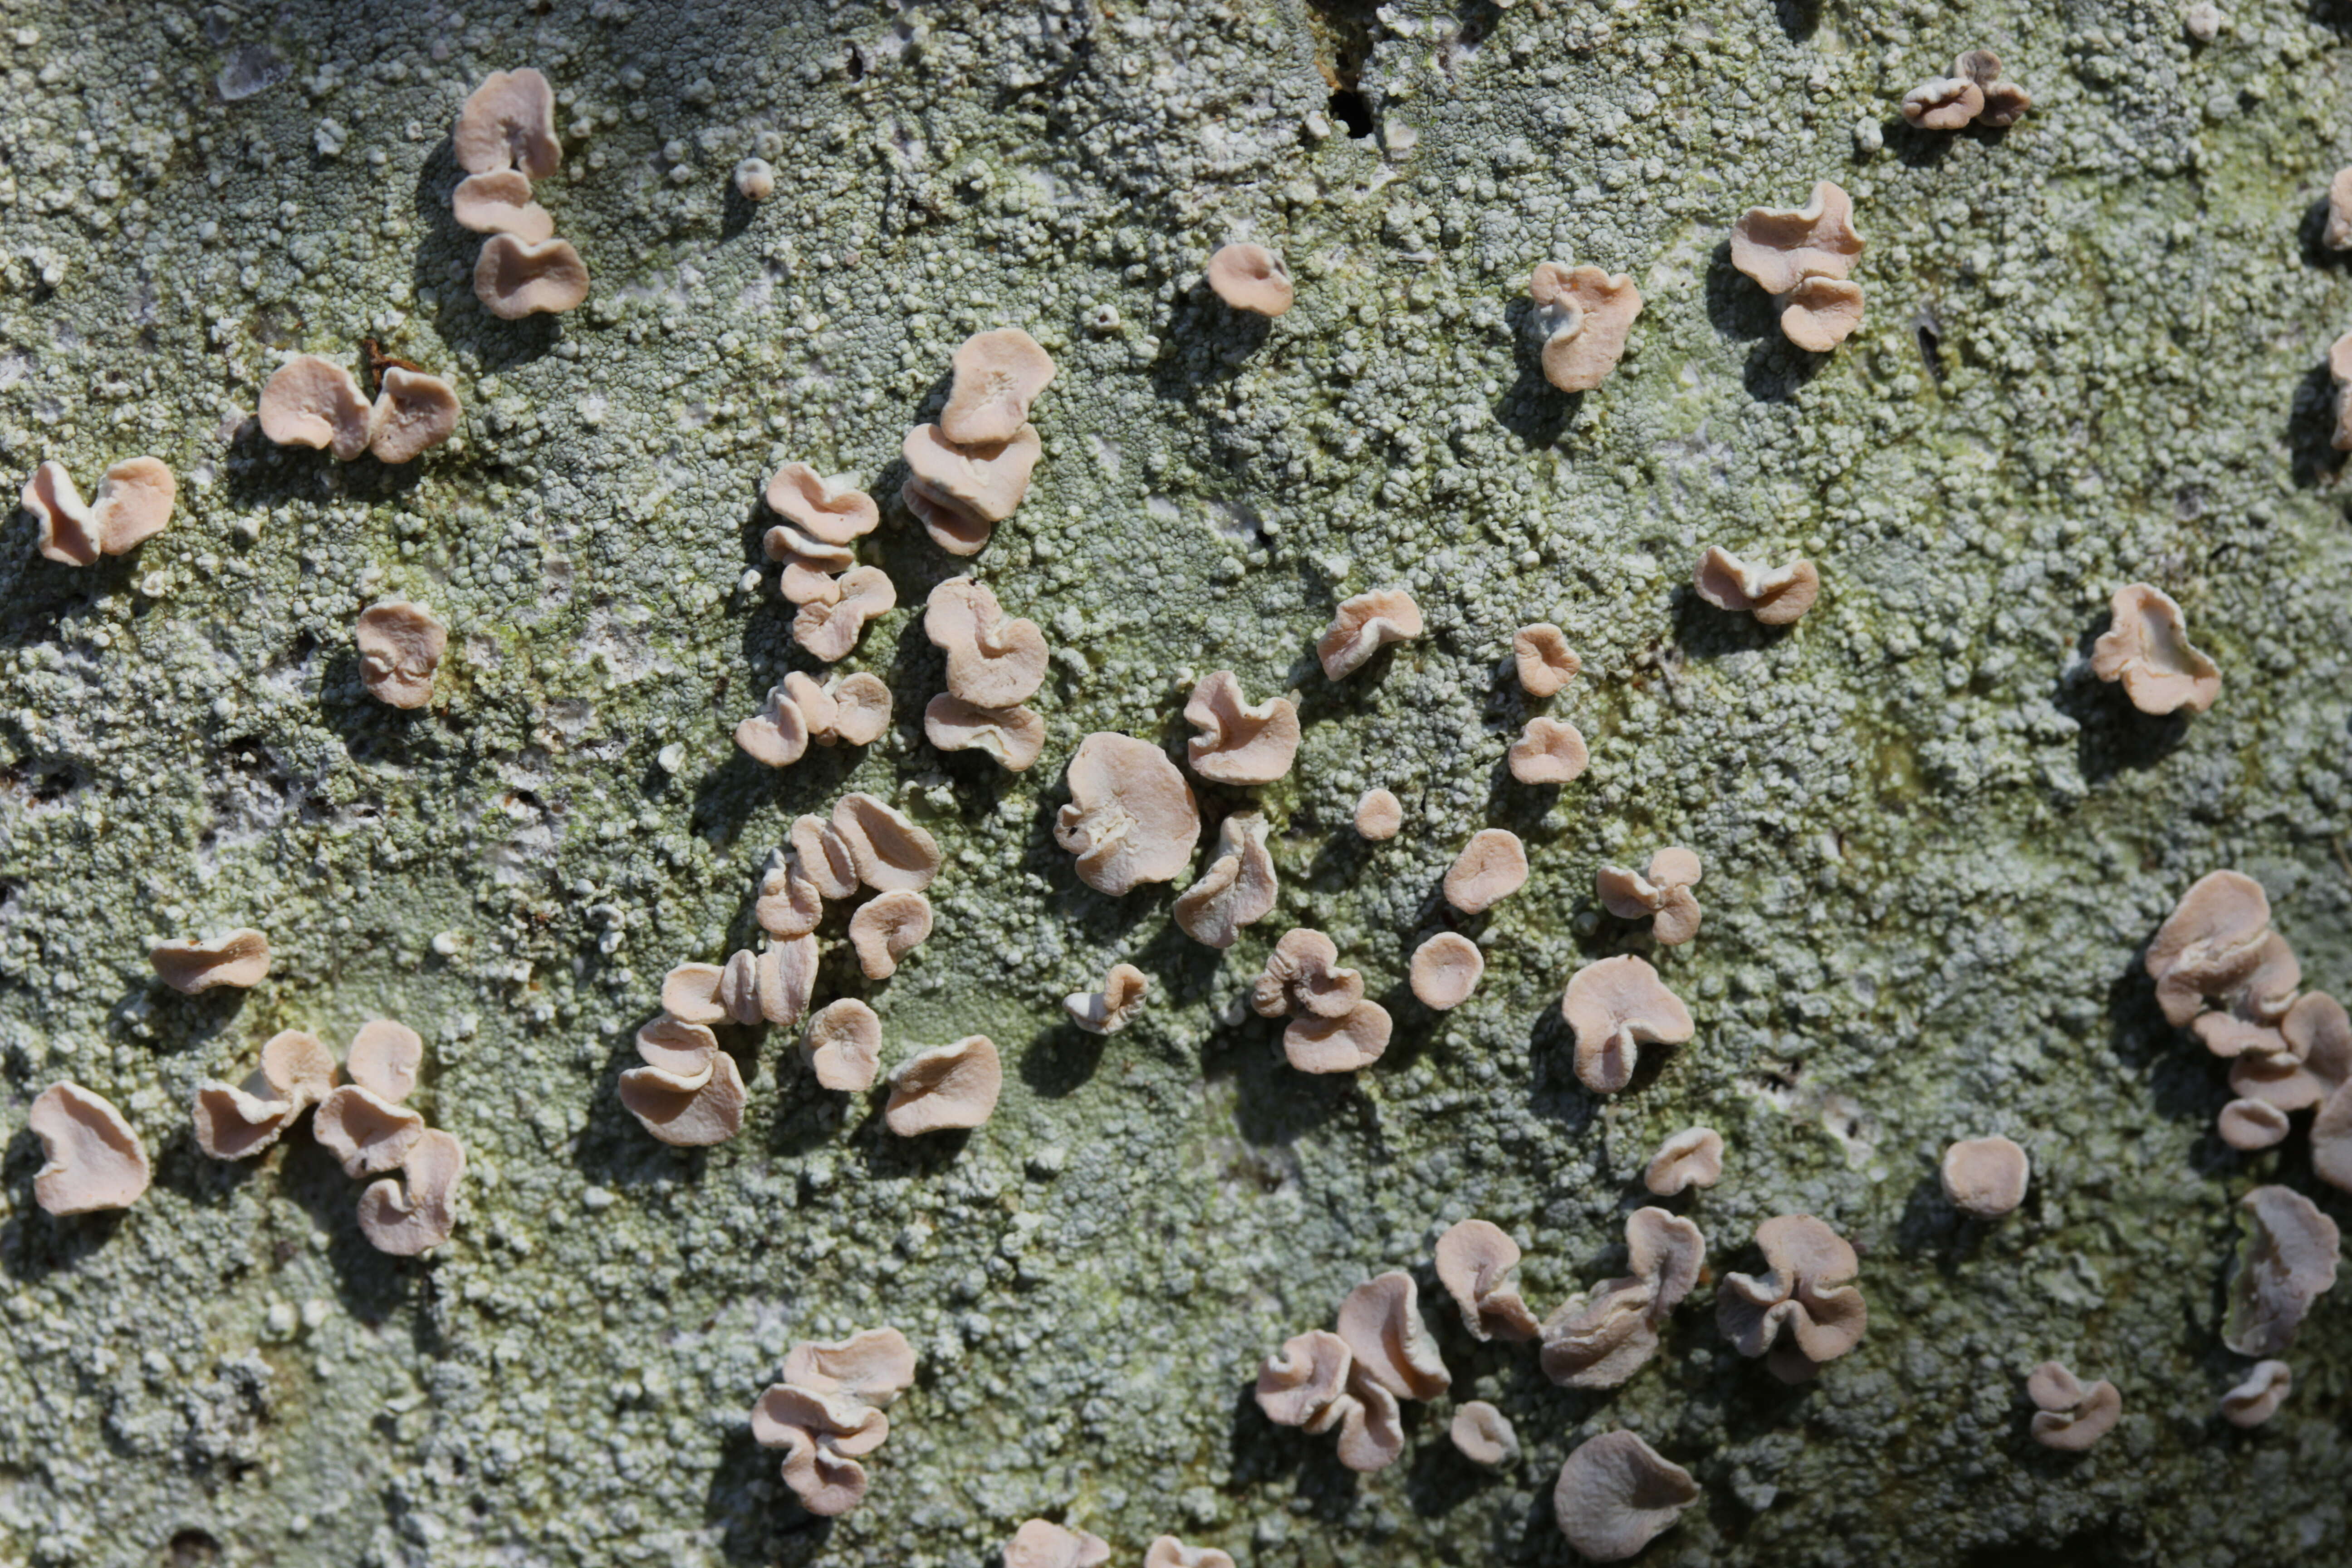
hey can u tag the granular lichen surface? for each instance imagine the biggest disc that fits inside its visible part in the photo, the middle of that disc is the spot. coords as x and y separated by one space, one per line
2093 353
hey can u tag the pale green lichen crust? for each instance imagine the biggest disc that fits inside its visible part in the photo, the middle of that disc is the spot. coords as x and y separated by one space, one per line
2092 354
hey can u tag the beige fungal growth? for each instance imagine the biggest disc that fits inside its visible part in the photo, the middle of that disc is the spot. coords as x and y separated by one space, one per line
314 402
2289 1261
1167 1551
1600 1338
779 734
993 661
90 1158
689 994
1016 737
824 855
2338 235
1131 817
1548 751
2248 1125
1475 1263
369 1134
238 1122
787 980
886 928
514 278
1378 816
1490 867
1775 595
1615 1007
827 631
1943 103
1251 278
809 565
1445 970
499 203
1584 314
960 492
1237 889
2070 1416
997 376
1801 257
1691 1158
1482 1435
844 1046
384 1060
861 709
509 122
1381 1322
419 1216
873 1366
2005 102
1804 1309
2211 946
1984 1178
412 414
822 1435
133 503
2257 1399
55 501
789 904
2339 367
1304 1383
2147 649
830 513
738 989
1543 660
1354 1039
1616 1494
690 1093
1662 895
1041 1543
400 647
1112 1008
890 852
1303 978
1239 744
947 1086
1362 626
239 958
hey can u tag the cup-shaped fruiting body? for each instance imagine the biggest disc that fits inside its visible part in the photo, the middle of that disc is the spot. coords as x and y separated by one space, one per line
886 928
415 1215
738 989
890 852
1237 889
842 1045
947 1086
809 563
1600 1338
400 647
1112 1008
1354 1039
2069 1415
2257 1399
789 904
1362 626
861 709
2004 103
1381 1322
1379 816
414 412
2331 1138
824 855
997 376
514 278
755 179
2339 367
822 1435
2288 1262
2338 233
1475 1263
1691 1158
68 532
1015 736
239 958
1583 314
1041 1543
499 203
851 707
2248 1125
834 514
1615 1007
1984 1178
509 122
873 1366
90 1158
689 994
1803 1312
966 488
828 631
133 503
1801 257
1775 595
1548 751
1167 1551
1131 817
1490 867
1662 895
690 1093
1543 660
1943 103
1250 278
1304 1383
1303 977
2147 649
384 1060
993 661
314 402
2313 1065
237 1122
1238 744
1482 1435
2210 944
1616 1494
1445 970
787 980
369 1134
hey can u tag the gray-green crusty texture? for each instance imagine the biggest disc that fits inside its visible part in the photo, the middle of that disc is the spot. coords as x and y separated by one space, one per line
1933 844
